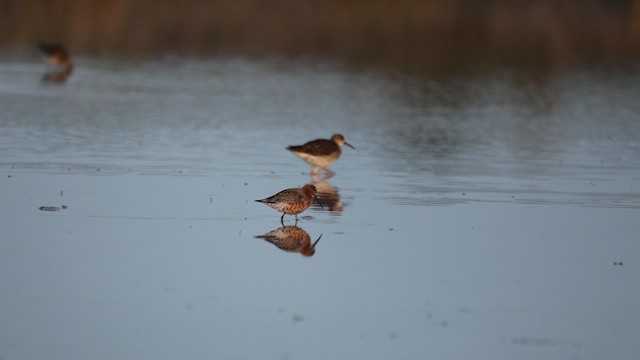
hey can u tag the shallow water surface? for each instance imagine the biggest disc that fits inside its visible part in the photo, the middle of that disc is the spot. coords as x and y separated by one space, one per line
488 217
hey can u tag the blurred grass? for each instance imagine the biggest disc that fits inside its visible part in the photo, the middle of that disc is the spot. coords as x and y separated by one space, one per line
429 36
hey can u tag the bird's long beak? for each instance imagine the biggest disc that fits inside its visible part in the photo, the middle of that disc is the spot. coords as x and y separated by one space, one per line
318 201
314 244
349 145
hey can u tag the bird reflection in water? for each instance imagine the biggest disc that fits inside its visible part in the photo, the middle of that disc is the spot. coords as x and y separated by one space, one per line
58 57
291 239
327 195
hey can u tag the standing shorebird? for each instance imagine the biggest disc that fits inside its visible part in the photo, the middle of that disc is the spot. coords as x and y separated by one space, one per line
320 153
58 57
292 201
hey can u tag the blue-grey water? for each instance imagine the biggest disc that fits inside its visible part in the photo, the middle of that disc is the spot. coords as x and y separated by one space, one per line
491 217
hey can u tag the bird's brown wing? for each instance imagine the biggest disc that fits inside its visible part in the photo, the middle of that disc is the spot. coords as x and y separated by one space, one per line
316 147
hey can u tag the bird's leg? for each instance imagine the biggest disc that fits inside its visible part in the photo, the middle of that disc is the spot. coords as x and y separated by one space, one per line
326 174
282 219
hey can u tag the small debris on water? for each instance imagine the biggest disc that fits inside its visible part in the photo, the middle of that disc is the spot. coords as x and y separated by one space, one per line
53 208
49 208
297 318
617 263
429 315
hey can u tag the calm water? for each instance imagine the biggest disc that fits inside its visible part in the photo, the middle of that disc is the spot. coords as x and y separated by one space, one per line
493 217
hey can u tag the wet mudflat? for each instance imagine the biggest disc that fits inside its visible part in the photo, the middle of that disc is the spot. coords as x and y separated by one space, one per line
485 217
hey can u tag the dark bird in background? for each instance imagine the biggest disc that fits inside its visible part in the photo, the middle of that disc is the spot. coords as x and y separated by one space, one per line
320 153
58 57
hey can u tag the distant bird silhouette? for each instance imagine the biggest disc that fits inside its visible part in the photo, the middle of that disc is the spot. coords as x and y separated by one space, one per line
320 153
292 201
58 57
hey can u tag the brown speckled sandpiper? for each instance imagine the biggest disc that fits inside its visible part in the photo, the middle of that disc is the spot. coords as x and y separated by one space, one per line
292 201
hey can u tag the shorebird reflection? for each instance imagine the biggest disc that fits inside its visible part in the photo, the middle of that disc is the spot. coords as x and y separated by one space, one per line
58 57
328 196
291 239
55 77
